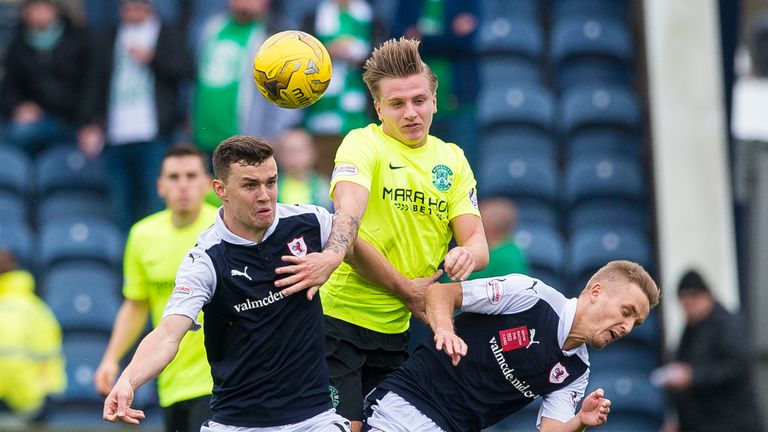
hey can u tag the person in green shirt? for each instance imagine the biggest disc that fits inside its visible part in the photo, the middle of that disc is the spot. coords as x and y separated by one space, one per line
500 221
155 247
299 182
226 100
409 193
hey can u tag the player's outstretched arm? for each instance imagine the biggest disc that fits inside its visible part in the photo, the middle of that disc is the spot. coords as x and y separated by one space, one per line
311 271
594 412
471 254
154 353
441 300
130 322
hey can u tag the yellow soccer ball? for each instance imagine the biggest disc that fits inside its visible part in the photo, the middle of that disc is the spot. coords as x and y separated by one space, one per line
292 69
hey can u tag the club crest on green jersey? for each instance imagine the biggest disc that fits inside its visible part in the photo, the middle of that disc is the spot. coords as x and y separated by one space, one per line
442 177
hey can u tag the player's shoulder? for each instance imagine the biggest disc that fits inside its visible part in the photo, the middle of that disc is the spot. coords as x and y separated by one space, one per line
152 224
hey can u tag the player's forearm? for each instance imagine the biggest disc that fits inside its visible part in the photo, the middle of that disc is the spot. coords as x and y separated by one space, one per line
156 351
343 234
440 303
478 247
572 425
130 322
372 266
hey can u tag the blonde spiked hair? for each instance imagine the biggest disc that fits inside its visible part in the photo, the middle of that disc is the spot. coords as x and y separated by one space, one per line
631 272
395 58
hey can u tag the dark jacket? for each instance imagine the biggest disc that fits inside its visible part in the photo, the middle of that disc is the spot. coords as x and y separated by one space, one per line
721 397
52 79
171 65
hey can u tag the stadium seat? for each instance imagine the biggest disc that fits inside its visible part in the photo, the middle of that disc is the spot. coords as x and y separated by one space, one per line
590 49
83 296
15 177
604 141
16 236
590 248
12 206
507 68
630 392
537 211
608 212
72 204
516 37
529 9
523 141
616 9
519 177
84 238
523 105
544 249
66 168
83 353
606 176
625 355
599 107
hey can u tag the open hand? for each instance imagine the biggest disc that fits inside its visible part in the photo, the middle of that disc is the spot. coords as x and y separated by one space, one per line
117 406
307 273
595 409
451 344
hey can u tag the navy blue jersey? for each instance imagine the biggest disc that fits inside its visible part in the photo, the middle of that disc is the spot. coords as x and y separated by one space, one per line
266 351
514 327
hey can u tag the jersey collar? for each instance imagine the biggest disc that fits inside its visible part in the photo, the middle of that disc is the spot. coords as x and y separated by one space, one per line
230 237
567 315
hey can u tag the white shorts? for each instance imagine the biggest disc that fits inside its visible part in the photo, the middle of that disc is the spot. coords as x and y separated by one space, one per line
395 414
327 421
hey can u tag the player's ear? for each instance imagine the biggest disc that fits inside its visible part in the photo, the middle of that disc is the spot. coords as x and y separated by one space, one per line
595 290
220 189
377 106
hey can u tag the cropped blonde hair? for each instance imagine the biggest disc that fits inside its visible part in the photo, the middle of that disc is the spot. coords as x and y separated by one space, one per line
395 58
631 272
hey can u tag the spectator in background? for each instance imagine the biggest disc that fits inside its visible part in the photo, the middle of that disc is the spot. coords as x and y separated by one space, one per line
298 181
226 101
31 362
156 246
447 30
710 379
44 81
348 28
500 222
131 104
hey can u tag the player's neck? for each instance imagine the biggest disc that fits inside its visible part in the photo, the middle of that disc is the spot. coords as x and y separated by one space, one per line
183 219
577 334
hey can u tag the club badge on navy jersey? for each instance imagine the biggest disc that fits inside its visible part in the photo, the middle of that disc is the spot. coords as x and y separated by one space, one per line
558 374
298 247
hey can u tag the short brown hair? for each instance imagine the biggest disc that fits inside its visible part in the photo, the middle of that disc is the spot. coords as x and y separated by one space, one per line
242 149
182 150
395 59
631 272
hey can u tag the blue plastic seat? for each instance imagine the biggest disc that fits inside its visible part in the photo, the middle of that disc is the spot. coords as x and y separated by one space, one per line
72 204
562 9
534 211
496 69
599 107
85 239
83 352
16 236
518 37
83 296
630 392
12 206
626 355
607 176
519 177
66 168
544 249
608 212
524 104
529 9
15 175
590 49
519 140
604 141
